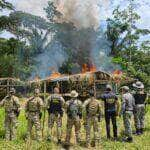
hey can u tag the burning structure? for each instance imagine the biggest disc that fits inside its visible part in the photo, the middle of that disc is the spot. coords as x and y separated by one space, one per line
82 82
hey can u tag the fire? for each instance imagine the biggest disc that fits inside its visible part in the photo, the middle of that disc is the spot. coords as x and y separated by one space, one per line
88 68
92 68
54 75
117 75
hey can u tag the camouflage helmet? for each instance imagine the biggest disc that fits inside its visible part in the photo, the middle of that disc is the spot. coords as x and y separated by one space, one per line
12 90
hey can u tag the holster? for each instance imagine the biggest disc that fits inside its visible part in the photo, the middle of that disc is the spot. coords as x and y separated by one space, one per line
17 112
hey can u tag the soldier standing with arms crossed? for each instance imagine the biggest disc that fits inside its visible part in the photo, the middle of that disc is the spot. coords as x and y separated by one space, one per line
33 110
92 114
74 114
55 105
12 109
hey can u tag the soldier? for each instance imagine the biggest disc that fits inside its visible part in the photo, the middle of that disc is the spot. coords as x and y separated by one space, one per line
55 104
140 102
74 114
33 114
12 109
128 105
111 110
92 112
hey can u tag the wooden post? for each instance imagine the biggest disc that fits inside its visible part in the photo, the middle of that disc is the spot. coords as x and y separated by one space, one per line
8 83
95 87
44 109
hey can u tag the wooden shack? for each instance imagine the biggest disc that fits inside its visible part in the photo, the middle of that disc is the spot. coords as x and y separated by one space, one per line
7 83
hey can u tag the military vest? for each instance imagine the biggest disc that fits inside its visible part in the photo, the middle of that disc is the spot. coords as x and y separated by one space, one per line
139 98
33 105
55 105
9 104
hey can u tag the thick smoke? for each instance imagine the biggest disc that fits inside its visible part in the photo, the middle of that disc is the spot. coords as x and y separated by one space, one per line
83 13
87 44
49 61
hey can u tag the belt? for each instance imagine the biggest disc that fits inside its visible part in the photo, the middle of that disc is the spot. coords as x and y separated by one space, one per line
140 105
33 111
128 110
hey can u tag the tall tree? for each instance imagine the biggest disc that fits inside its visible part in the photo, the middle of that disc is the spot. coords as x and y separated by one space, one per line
126 45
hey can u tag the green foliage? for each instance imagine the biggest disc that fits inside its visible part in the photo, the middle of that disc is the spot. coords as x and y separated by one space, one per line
52 12
5 5
12 64
33 29
122 31
126 48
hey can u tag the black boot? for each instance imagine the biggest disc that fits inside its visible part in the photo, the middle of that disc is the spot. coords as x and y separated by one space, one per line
138 132
59 141
141 130
129 139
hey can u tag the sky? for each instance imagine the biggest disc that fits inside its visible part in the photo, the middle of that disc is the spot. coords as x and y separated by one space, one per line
106 7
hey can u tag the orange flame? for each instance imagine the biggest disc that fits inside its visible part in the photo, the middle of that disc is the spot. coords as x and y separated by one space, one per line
54 75
117 75
92 68
88 68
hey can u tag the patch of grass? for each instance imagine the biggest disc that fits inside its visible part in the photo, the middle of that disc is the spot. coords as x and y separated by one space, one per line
140 142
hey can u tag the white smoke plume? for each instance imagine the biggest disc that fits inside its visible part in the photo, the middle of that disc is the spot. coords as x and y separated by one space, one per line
83 13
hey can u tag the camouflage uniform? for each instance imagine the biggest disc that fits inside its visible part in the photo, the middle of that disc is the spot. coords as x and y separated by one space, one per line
139 115
128 105
55 104
92 111
11 105
33 109
73 119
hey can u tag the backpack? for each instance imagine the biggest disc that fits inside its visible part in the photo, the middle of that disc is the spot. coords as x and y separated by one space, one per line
55 105
73 110
92 108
